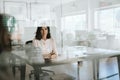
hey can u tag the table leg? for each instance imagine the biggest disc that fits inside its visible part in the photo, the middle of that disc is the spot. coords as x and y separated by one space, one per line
78 69
96 69
22 72
13 66
118 60
13 70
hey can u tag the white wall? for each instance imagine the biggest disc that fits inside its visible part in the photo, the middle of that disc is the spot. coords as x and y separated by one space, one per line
29 33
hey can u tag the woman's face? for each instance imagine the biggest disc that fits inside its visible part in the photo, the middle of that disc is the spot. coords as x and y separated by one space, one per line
44 31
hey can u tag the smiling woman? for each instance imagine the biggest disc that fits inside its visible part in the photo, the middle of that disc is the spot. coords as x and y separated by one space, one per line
44 41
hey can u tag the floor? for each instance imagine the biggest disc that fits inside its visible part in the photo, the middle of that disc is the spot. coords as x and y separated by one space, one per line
107 67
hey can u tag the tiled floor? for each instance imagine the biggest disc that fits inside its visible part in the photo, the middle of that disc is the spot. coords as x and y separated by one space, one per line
107 67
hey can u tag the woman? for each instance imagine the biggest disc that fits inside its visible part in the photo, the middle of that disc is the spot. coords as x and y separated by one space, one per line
5 49
45 42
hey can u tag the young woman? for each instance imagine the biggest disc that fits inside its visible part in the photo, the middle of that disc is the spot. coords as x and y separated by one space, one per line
44 41
5 50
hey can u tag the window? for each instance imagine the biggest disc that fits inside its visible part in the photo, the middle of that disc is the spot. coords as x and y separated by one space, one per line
74 22
71 25
108 21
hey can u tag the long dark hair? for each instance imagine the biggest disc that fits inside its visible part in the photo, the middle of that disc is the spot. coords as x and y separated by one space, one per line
5 41
38 35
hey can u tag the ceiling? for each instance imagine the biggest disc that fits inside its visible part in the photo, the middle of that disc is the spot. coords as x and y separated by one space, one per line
51 2
59 2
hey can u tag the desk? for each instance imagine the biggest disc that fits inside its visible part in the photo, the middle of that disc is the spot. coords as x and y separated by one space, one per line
60 60
93 54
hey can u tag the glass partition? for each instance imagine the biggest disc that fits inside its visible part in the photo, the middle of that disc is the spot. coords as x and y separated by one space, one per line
72 22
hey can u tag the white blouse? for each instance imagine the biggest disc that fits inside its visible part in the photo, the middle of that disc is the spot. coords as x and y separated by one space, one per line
46 46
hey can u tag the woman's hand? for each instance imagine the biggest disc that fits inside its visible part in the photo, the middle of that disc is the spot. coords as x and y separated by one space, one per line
47 56
53 55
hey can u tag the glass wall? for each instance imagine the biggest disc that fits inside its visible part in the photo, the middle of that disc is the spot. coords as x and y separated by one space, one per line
77 22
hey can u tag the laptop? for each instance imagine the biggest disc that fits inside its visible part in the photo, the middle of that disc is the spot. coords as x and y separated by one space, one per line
34 54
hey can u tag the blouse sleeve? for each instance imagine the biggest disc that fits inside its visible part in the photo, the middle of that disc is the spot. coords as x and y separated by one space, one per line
35 43
54 47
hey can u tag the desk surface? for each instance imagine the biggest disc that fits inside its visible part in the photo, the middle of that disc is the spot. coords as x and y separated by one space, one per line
74 54
70 56
59 60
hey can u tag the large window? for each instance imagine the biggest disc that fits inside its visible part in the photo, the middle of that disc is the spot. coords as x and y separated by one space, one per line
74 22
72 25
108 20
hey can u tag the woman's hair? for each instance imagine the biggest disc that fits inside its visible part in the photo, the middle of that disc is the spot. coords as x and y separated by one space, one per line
5 41
39 35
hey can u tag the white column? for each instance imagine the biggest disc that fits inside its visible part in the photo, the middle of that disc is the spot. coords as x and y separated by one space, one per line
90 13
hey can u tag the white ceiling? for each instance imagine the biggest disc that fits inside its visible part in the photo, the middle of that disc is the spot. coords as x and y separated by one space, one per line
53 2
58 2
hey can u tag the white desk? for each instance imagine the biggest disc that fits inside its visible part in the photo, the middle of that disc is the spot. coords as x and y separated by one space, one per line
60 60
93 54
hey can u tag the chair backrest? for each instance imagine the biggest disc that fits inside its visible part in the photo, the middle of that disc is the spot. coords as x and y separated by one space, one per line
27 42
34 53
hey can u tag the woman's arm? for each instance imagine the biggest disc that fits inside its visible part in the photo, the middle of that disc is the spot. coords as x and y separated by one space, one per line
53 55
54 50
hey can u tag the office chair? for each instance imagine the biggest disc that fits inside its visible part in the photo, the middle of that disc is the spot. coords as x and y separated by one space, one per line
42 72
